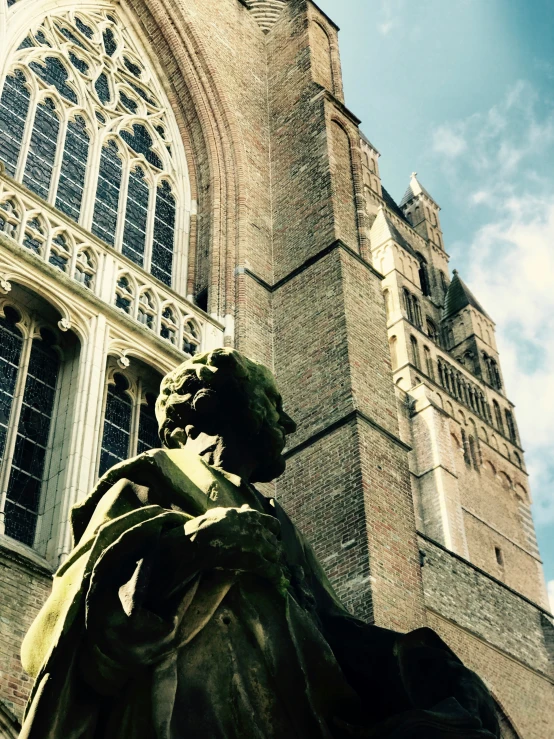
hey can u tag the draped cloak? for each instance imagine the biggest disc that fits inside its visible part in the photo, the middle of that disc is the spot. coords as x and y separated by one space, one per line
140 640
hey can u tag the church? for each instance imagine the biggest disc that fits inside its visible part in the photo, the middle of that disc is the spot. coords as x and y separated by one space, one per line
180 175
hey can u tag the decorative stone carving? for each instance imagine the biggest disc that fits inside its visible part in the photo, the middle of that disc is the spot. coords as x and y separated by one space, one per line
191 601
266 12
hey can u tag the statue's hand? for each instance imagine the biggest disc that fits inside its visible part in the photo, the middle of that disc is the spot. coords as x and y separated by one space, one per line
239 539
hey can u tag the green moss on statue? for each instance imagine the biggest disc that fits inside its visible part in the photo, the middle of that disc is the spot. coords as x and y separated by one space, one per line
191 607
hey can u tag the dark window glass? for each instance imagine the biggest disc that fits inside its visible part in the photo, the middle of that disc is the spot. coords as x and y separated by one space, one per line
148 426
85 30
134 234
42 150
23 495
11 343
117 425
79 64
133 68
14 106
164 234
128 102
70 36
53 72
102 88
110 44
141 142
74 165
104 222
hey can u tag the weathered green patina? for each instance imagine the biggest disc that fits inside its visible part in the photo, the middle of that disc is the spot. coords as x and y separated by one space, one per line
192 607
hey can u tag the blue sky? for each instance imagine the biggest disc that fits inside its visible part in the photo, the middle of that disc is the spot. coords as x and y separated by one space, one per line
462 91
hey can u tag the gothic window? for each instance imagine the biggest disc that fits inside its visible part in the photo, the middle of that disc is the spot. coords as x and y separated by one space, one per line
474 452
424 275
417 312
169 329
130 425
191 337
444 283
466 450
29 369
85 268
408 305
498 416
10 215
511 424
393 342
146 311
124 295
432 331
416 359
429 363
85 126
388 303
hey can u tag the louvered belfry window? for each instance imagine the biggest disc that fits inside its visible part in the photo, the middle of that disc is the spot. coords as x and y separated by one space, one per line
83 126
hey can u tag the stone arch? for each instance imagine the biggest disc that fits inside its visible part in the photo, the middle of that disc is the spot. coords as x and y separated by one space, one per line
322 62
210 134
344 191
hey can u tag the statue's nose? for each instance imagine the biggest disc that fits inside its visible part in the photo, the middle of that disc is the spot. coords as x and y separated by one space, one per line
287 423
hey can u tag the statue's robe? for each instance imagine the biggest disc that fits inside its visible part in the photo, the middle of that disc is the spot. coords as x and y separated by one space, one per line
139 640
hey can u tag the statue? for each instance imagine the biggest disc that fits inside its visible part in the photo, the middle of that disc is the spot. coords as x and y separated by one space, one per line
191 607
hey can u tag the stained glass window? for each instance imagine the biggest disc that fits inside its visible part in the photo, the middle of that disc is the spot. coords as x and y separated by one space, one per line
117 425
164 234
130 425
42 151
109 117
73 172
134 235
14 106
104 222
148 426
33 431
11 343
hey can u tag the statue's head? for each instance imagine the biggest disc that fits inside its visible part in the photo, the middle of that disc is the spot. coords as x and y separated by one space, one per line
222 393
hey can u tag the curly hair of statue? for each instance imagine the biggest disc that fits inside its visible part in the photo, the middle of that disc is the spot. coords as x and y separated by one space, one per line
205 389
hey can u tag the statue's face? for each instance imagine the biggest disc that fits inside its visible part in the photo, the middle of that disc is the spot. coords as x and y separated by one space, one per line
270 439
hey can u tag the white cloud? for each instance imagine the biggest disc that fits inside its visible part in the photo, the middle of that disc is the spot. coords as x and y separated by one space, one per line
386 27
509 260
448 142
511 270
551 594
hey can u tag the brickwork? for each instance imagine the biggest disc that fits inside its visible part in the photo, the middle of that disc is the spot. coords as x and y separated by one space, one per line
461 593
293 240
24 585
525 696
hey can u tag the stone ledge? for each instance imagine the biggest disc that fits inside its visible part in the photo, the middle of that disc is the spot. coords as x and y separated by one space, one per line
24 555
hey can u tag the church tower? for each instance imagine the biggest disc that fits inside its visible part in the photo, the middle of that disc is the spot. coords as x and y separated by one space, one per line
183 175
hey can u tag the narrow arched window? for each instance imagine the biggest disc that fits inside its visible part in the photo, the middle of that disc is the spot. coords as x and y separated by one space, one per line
511 424
130 425
416 359
429 363
393 343
498 416
85 125
29 370
424 275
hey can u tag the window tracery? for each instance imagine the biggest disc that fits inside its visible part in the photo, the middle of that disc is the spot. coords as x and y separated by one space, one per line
130 425
30 360
84 126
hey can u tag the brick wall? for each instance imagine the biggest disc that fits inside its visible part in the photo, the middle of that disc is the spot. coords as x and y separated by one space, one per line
24 585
